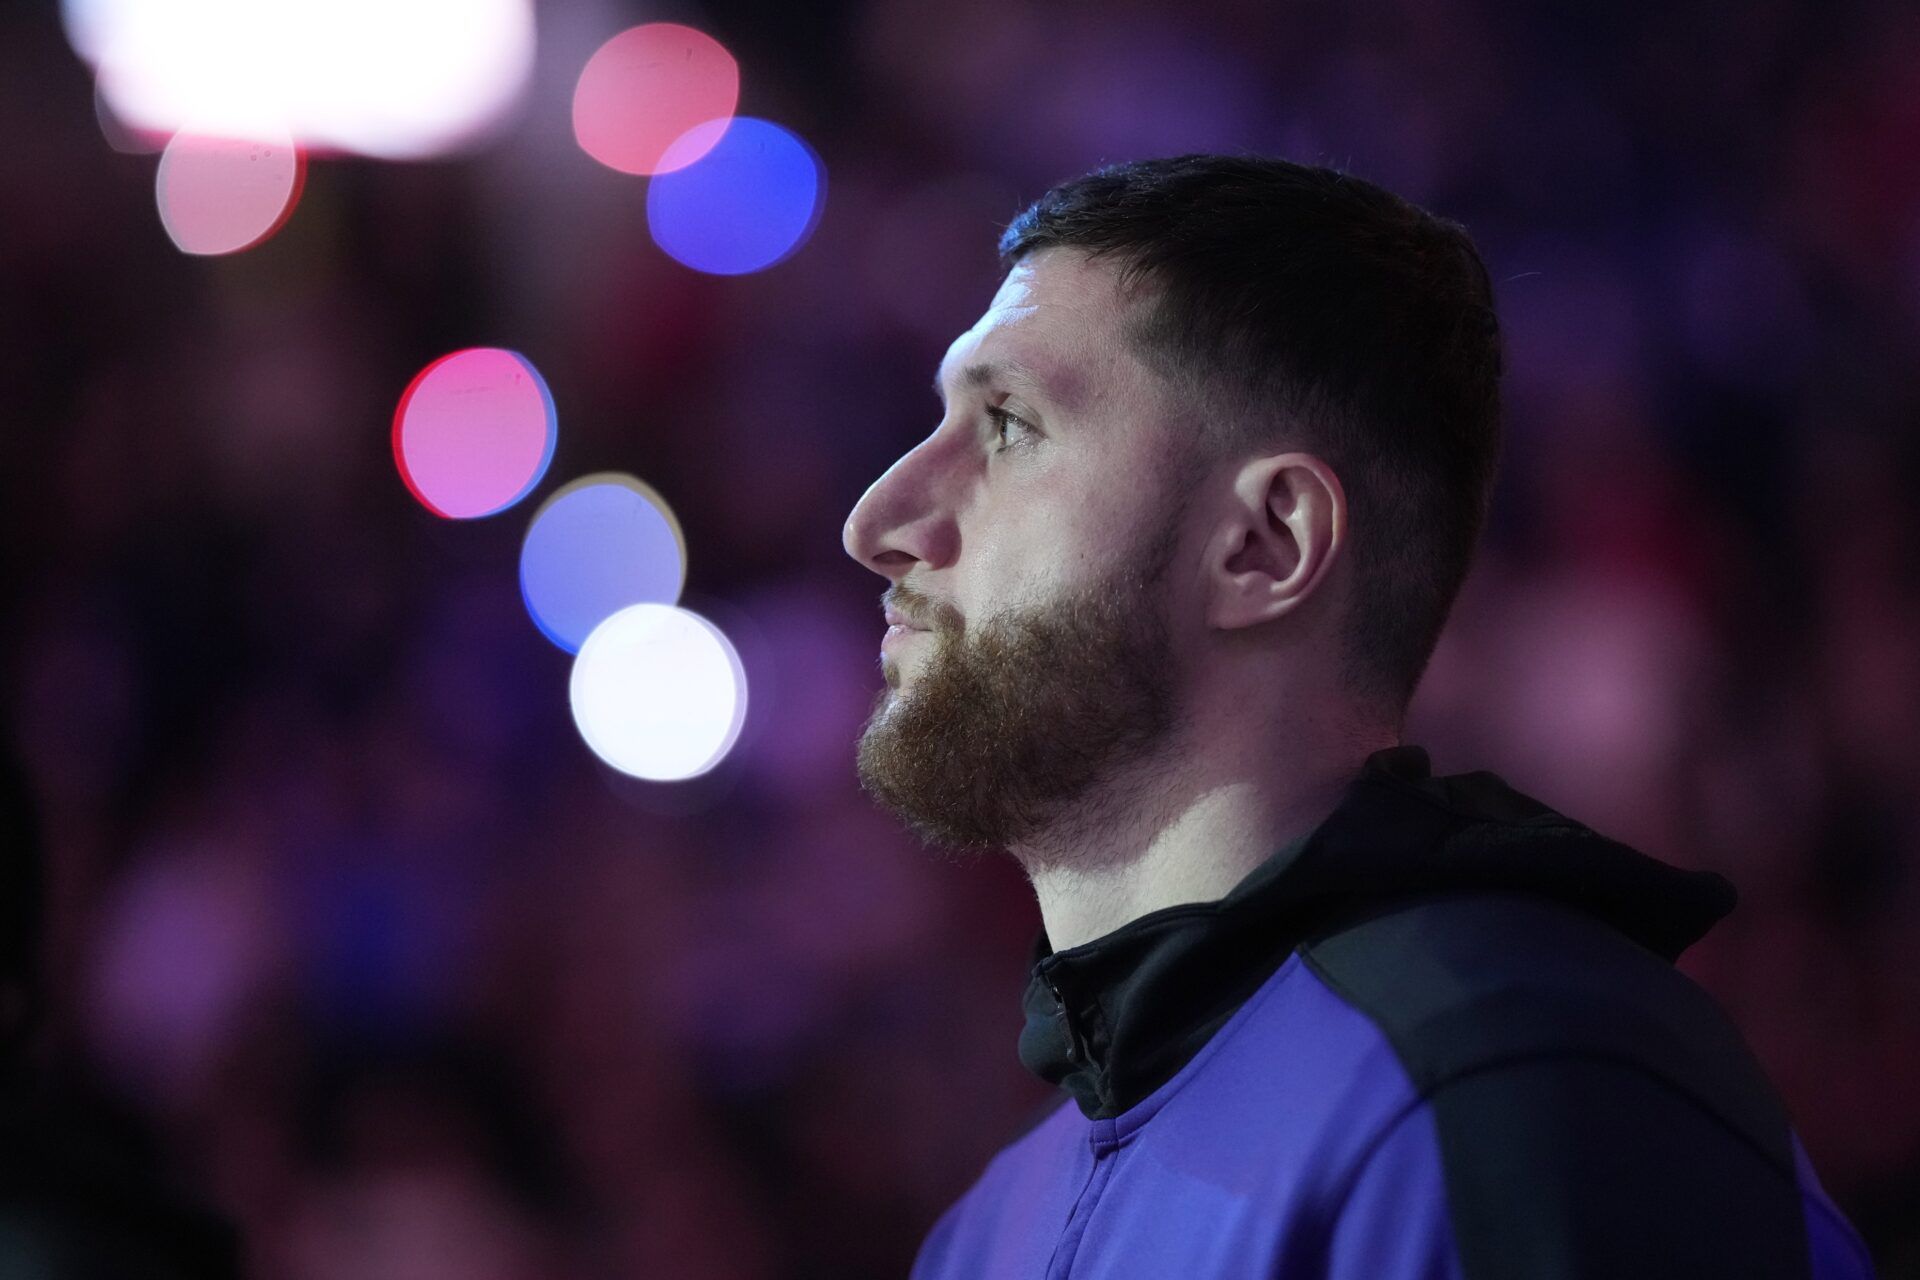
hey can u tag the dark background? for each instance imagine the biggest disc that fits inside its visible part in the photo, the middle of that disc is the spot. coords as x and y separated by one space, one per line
353 936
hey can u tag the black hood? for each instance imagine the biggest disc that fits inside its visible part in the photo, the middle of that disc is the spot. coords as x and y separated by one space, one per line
1113 1019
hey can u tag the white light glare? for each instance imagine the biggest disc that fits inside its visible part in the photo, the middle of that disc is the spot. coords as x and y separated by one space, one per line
398 79
658 692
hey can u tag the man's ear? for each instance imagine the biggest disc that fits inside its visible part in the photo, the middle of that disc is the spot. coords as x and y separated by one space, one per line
1285 530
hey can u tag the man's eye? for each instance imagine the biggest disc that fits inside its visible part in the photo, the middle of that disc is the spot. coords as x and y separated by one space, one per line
1003 421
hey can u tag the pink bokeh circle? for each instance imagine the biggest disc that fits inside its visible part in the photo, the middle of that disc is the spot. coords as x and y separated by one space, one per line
644 89
474 432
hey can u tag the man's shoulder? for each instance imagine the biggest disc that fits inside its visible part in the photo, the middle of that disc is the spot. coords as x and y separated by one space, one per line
1464 982
1593 1110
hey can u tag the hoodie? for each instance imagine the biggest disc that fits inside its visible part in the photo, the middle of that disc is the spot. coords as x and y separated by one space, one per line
1439 1035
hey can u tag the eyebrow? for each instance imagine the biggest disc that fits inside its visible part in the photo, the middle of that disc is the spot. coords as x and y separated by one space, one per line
1012 372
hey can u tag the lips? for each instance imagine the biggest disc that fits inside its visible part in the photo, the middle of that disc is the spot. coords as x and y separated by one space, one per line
896 640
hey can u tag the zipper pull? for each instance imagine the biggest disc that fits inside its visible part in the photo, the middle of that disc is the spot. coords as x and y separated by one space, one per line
1076 1049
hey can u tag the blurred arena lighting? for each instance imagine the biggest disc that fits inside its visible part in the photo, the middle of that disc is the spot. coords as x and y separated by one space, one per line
222 195
474 432
397 79
644 89
89 23
594 547
658 693
121 136
752 200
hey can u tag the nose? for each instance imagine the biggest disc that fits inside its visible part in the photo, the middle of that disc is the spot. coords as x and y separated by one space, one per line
905 518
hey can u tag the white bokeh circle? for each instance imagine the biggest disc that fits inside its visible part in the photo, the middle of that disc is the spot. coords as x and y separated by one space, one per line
658 692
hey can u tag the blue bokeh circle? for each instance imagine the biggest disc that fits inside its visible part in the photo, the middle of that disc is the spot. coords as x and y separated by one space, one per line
595 547
748 203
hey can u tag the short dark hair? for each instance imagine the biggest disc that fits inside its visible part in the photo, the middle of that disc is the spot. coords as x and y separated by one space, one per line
1297 304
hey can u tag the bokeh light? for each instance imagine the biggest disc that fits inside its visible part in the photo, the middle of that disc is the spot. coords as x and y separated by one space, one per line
658 692
399 79
754 197
644 89
474 432
594 547
123 137
89 25
222 195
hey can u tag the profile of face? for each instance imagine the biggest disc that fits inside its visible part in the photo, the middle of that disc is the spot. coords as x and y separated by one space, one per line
1030 542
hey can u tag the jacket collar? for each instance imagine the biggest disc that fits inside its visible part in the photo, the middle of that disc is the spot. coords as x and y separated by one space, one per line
1113 1019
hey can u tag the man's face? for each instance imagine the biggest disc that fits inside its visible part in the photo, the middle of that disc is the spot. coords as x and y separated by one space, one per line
1034 554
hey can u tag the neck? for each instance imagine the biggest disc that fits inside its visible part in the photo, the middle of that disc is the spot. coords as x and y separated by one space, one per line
1186 832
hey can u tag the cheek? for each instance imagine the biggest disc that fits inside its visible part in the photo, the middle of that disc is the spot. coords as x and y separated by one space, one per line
1053 536
1095 523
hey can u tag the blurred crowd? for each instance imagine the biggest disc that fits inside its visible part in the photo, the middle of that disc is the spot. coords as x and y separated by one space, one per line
351 941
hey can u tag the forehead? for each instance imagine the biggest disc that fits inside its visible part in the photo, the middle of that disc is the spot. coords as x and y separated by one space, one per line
1057 322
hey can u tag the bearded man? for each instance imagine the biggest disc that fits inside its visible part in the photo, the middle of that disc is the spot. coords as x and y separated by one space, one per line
1211 470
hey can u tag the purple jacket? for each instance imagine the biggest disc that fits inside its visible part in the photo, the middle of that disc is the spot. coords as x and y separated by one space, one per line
1439 1036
